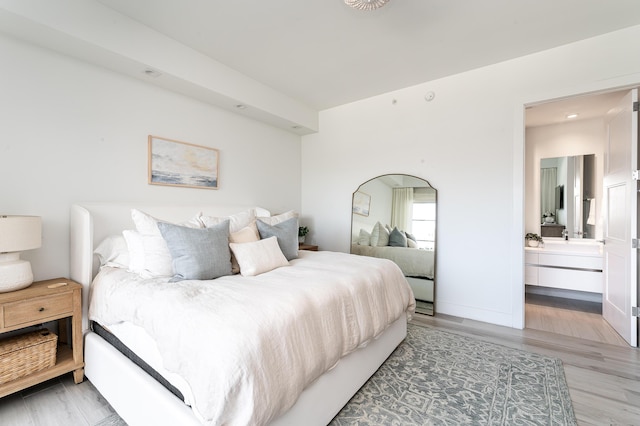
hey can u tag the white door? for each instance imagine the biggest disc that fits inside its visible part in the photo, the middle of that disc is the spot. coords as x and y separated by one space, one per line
620 220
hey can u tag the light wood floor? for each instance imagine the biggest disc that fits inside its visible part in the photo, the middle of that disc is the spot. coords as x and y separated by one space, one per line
570 317
603 379
58 402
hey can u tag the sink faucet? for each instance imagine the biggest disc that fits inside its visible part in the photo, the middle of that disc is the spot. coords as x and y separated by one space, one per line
565 234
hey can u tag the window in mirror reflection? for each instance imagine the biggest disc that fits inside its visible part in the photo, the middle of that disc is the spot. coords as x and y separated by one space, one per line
424 224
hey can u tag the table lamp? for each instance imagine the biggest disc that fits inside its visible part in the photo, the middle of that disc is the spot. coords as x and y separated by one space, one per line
17 233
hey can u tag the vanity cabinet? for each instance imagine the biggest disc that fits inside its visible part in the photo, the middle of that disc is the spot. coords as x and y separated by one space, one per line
565 270
531 267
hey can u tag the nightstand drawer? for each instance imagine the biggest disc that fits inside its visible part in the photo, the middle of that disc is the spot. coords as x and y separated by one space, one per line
35 310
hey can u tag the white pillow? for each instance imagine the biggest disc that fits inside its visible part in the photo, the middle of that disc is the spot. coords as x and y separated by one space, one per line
155 259
113 251
236 221
279 218
364 239
379 235
147 257
411 243
136 250
248 234
258 257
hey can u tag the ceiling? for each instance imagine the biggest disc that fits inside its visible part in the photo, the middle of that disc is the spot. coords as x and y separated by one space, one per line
322 53
586 107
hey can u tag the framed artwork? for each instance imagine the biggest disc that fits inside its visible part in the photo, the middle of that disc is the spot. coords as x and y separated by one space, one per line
176 163
361 203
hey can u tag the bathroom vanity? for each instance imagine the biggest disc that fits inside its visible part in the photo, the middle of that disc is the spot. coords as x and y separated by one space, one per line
569 265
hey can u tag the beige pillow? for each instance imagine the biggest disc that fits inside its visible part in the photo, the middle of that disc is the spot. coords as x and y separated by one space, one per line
248 234
258 257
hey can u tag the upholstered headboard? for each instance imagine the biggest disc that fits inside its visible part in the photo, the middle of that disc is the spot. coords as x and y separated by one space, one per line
90 223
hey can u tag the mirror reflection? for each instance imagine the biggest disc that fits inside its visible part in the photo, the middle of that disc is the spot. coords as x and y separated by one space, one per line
394 217
568 197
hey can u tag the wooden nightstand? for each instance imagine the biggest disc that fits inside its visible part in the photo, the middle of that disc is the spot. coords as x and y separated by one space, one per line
302 246
58 299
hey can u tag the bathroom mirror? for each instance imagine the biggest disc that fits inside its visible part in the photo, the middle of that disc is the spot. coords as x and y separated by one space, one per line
394 217
568 189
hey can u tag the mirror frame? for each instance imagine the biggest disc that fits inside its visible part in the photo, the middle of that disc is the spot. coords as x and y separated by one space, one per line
567 215
364 206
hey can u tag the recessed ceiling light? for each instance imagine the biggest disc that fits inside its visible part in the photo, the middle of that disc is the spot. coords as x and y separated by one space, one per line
241 106
570 116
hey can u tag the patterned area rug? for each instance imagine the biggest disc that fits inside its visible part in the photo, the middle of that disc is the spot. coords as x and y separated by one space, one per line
440 378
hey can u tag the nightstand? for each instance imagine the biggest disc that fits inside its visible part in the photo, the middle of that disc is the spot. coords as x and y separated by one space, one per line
302 246
51 300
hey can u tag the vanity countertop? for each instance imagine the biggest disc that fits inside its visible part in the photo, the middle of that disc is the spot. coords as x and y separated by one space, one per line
576 249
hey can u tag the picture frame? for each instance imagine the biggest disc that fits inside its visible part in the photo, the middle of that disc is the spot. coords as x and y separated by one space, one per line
361 203
177 163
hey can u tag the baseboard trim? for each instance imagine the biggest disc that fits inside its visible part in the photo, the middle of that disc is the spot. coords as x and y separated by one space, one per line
585 296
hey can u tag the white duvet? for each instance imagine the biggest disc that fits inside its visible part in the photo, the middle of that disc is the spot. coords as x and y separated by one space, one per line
248 346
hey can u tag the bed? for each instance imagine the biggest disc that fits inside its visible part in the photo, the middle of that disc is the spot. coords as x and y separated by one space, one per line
141 399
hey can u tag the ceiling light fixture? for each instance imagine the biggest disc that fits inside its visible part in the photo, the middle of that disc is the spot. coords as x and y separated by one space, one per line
570 116
366 4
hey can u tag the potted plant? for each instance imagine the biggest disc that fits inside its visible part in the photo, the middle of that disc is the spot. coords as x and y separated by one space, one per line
533 240
302 232
548 217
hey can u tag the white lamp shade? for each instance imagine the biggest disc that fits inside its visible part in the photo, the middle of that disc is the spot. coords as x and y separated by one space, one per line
19 233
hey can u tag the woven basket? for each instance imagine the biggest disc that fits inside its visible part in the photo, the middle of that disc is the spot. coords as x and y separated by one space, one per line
26 354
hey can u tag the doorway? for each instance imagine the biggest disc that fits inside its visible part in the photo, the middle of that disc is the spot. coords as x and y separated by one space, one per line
558 131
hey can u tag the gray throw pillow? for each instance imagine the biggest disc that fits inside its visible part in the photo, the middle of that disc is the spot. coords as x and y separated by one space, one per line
287 234
397 238
198 254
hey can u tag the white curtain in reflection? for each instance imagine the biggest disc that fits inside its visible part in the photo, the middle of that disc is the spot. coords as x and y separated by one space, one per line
402 209
548 182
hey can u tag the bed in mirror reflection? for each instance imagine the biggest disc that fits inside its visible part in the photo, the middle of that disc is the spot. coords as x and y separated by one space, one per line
394 217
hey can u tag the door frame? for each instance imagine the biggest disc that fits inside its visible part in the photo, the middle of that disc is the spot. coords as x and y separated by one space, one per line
518 178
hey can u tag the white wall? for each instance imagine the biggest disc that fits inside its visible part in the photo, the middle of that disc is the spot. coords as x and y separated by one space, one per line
74 132
559 140
469 144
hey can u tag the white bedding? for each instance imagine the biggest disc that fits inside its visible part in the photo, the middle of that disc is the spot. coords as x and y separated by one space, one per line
247 346
139 342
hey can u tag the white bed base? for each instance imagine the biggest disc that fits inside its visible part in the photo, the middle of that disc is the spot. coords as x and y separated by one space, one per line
141 400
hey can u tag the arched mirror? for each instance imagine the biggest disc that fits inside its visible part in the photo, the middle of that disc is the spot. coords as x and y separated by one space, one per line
394 217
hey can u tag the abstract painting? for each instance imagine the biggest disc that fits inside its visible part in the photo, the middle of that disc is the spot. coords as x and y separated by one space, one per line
178 163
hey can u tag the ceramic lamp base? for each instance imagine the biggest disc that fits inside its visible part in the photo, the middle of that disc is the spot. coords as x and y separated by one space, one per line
15 273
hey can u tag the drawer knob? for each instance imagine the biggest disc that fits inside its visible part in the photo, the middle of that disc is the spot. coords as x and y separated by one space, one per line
41 309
